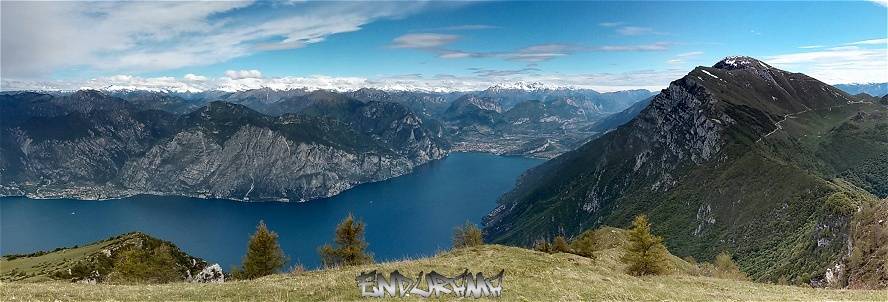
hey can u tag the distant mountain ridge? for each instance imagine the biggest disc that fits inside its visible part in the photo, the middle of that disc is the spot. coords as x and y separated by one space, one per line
873 89
262 144
434 109
93 146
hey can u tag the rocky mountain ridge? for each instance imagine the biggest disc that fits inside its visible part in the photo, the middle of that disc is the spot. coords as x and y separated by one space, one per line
92 146
739 156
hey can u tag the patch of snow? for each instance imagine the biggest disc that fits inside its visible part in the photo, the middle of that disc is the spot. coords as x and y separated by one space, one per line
711 75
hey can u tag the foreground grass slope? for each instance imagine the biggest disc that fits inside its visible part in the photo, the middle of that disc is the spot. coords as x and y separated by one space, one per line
530 276
112 259
40 267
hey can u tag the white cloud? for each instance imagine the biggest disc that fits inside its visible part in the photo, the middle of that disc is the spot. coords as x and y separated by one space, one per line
544 52
463 27
689 54
626 30
116 82
39 38
847 64
882 41
610 24
195 78
659 46
451 54
810 46
683 57
479 79
541 52
243 74
423 40
880 2
634 30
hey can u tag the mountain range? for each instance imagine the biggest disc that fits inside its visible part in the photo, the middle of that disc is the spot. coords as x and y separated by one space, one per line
785 171
94 146
873 89
775 166
264 144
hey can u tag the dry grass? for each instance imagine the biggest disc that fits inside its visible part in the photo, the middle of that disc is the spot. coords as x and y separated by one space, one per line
530 276
34 269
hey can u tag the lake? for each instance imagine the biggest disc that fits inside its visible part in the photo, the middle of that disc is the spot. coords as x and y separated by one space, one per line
408 216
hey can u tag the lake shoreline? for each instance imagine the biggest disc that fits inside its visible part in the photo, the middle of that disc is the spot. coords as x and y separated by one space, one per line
422 208
248 200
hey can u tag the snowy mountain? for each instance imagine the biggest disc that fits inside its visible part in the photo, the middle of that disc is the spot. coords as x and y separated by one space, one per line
873 89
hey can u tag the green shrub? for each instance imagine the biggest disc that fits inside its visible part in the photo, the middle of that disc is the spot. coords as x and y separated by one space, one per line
841 203
136 265
585 245
868 263
468 235
725 268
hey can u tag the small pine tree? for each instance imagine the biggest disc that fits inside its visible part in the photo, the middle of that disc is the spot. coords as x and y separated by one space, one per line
585 245
350 245
264 255
646 254
468 235
559 245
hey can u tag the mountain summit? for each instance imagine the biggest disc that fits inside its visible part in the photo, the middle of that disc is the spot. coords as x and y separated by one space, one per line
740 156
740 62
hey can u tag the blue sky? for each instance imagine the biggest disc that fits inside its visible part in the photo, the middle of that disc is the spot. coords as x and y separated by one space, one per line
460 45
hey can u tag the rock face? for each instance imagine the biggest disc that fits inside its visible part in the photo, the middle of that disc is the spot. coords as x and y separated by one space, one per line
724 158
210 274
92 146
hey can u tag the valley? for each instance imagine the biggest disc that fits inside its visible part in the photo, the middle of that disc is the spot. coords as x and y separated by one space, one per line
713 158
443 150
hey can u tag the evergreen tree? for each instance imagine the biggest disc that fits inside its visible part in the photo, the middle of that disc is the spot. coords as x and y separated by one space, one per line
646 254
349 246
264 255
467 236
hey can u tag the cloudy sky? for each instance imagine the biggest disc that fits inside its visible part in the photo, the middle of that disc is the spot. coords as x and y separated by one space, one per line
428 45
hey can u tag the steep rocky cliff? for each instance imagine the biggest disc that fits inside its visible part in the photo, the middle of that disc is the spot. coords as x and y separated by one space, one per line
734 156
92 146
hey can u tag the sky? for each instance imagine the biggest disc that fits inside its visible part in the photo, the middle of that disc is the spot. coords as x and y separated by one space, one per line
433 45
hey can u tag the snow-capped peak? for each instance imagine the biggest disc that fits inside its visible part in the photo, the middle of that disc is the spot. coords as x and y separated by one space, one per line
527 86
740 62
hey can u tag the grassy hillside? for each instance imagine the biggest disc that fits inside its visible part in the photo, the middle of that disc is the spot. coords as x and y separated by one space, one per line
530 276
39 267
104 260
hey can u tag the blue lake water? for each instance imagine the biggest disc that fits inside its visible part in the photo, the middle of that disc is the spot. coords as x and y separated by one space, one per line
408 216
